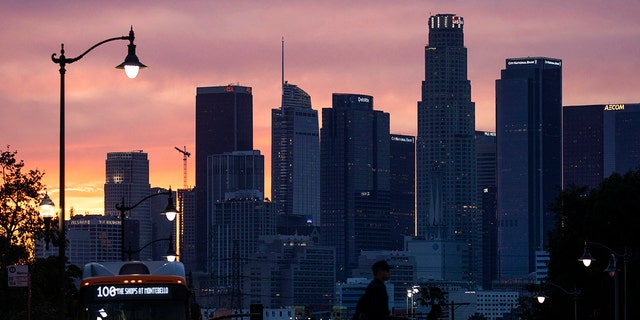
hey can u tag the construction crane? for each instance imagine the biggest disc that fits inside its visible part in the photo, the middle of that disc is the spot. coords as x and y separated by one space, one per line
185 155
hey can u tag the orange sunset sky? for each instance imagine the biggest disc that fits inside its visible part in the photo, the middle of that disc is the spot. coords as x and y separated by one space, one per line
367 47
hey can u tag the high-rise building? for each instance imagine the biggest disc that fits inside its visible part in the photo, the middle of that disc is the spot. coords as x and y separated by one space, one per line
529 160
91 238
445 145
355 174
127 182
402 169
290 270
486 161
599 140
224 123
295 157
238 216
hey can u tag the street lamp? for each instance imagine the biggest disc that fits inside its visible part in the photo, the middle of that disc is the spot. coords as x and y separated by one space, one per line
47 212
575 293
611 269
169 212
131 65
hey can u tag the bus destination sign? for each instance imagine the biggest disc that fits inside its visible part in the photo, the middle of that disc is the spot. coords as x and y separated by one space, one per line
130 292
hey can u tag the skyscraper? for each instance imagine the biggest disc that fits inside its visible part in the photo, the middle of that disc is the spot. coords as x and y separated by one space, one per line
224 123
599 140
355 187
295 156
238 214
445 145
403 182
486 160
127 182
529 163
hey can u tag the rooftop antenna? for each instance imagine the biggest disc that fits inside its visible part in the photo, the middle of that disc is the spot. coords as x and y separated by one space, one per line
282 83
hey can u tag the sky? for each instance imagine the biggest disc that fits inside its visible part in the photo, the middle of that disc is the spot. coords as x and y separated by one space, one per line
365 47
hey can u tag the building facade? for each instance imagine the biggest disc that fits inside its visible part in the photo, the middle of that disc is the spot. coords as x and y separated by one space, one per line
529 160
402 180
355 179
290 270
445 145
93 238
224 123
599 140
127 182
486 162
295 156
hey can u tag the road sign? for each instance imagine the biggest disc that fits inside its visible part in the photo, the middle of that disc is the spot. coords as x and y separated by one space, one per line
18 275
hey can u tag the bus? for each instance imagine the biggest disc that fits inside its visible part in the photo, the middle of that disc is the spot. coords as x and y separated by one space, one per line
134 290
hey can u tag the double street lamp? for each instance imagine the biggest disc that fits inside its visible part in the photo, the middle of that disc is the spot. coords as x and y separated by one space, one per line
170 212
131 65
612 270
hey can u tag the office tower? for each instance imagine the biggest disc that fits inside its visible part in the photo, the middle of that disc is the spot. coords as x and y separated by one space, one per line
445 145
224 123
295 158
529 163
291 270
486 162
238 214
127 182
402 169
355 173
232 172
599 140
93 238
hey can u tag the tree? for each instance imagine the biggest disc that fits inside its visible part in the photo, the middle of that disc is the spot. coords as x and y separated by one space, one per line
608 214
20 222
434 297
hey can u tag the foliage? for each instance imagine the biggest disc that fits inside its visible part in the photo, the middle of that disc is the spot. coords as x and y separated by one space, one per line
434 297
20 222
609 216
46 283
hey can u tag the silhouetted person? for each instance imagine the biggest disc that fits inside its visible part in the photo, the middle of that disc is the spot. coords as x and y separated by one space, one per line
374 303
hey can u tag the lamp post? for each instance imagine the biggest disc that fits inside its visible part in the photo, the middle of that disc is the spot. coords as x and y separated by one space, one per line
575 293
611 269
131 65
170 212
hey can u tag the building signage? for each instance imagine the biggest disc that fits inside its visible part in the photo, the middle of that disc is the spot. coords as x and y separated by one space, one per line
363 99
402 139
457 20
513 62
555 63
613 107
18 275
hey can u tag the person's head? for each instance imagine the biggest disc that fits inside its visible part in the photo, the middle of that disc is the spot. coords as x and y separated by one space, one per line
380 270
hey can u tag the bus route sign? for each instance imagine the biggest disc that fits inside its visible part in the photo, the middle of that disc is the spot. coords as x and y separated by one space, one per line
18 275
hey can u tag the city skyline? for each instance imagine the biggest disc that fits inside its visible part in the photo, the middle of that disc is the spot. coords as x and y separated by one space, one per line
373 48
